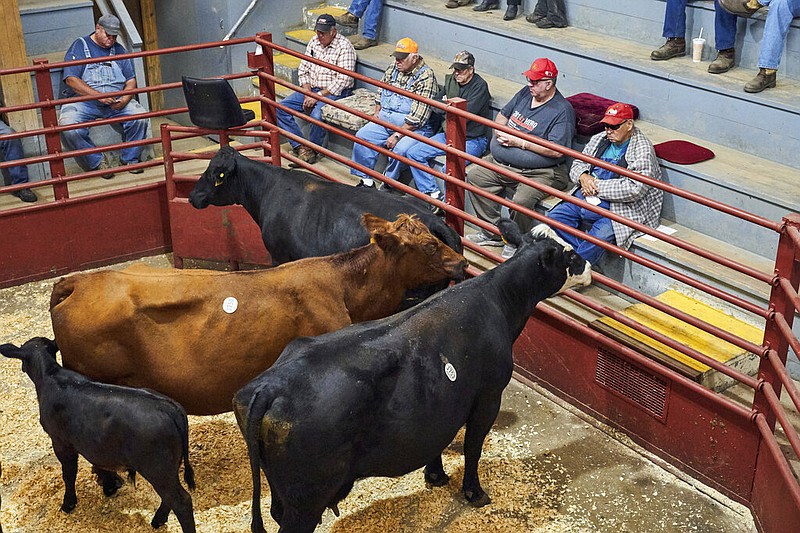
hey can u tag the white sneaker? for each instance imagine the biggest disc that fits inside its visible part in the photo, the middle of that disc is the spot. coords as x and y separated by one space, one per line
508 251
481 239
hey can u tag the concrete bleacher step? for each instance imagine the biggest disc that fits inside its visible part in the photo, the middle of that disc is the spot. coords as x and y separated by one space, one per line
688 335
676 94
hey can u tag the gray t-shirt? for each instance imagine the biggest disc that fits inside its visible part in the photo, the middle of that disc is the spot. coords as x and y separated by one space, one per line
553 121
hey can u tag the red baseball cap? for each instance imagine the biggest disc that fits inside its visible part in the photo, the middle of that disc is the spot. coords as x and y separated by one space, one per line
540 69
617 114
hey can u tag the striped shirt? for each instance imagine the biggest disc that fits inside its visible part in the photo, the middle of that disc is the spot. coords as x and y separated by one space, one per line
340 53
425 85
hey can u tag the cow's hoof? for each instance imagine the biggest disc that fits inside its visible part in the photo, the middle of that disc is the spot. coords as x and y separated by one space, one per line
157 523
477 499
436 479
68 507
111 485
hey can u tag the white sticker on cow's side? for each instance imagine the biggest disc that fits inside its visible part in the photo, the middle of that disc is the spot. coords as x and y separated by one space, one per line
450 372
230 305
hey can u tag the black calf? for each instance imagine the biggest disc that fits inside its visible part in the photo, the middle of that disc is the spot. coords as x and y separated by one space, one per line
114 428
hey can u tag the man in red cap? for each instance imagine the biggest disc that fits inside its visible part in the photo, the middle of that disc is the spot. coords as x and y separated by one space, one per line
538 110
624 145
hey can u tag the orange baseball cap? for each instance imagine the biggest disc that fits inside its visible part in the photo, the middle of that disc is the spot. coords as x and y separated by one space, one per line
617 114
540 69
404 47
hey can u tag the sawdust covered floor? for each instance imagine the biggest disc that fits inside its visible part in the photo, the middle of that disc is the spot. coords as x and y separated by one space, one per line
546 470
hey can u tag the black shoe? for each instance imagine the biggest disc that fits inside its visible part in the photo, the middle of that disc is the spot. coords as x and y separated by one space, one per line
533 18
486 5
511 12
26 195
133 170
546 23
362 184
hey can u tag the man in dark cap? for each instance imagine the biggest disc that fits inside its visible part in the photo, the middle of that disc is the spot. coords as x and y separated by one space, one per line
95 79
464 83
327 45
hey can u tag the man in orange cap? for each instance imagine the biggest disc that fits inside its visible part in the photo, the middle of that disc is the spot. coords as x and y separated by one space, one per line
408 72
624 145
537 110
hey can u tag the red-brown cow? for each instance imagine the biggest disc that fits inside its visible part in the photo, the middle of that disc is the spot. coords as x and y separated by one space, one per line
198 335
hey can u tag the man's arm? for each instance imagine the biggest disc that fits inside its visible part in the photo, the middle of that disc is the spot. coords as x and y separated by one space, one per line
83 89
346 59
641 158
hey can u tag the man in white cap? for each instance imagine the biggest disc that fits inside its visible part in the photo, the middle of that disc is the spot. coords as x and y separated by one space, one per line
94 79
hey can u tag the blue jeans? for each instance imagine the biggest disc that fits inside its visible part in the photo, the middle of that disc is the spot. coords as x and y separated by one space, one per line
423 153
724 24
377 134
11 149
370 11
286 121
132 130
574 215
779 17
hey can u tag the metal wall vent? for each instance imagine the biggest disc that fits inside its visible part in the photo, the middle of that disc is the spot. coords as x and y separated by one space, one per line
642 388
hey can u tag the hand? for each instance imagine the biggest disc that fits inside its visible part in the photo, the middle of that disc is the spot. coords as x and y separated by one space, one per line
588 184
509 141
392 141
308 104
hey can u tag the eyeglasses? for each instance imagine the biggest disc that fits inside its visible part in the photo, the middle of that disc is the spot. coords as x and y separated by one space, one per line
532 83
615 127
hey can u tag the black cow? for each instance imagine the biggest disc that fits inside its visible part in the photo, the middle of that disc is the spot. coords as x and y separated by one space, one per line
114 428
300 214
386 397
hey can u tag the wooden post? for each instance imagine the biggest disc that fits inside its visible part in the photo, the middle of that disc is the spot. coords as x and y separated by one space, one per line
16 89
152 63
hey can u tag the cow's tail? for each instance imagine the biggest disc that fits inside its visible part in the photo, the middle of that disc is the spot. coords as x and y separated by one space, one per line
178 416
61 290
188 471
256 409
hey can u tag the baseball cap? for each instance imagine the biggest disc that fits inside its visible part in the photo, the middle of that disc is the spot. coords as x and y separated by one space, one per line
325 22
110 24
617 114
404 47
463 60
541 68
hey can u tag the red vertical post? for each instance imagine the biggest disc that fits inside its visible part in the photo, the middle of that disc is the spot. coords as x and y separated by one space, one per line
275 145
456 136
52 139
786 266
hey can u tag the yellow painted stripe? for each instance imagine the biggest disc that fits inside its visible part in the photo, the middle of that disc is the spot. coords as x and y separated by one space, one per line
686 334
301 35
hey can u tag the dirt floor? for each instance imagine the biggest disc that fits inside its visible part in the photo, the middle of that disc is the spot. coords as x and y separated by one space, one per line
546 470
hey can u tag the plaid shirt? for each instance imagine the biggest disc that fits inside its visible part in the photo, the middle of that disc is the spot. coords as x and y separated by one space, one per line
340 53
425 85
628 198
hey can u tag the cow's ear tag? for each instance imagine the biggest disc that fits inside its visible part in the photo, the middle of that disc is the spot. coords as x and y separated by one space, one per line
218 181
230 305
450 371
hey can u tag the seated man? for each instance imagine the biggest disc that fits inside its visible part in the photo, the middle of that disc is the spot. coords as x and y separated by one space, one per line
371 11
779 18
326 45
409 72
621 144
11 149
538 109
675 33
463 83
94 79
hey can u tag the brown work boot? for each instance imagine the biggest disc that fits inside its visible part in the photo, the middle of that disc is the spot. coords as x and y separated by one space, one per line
104 166
723 62
348 19
765 79
360 42
304 154
674 47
